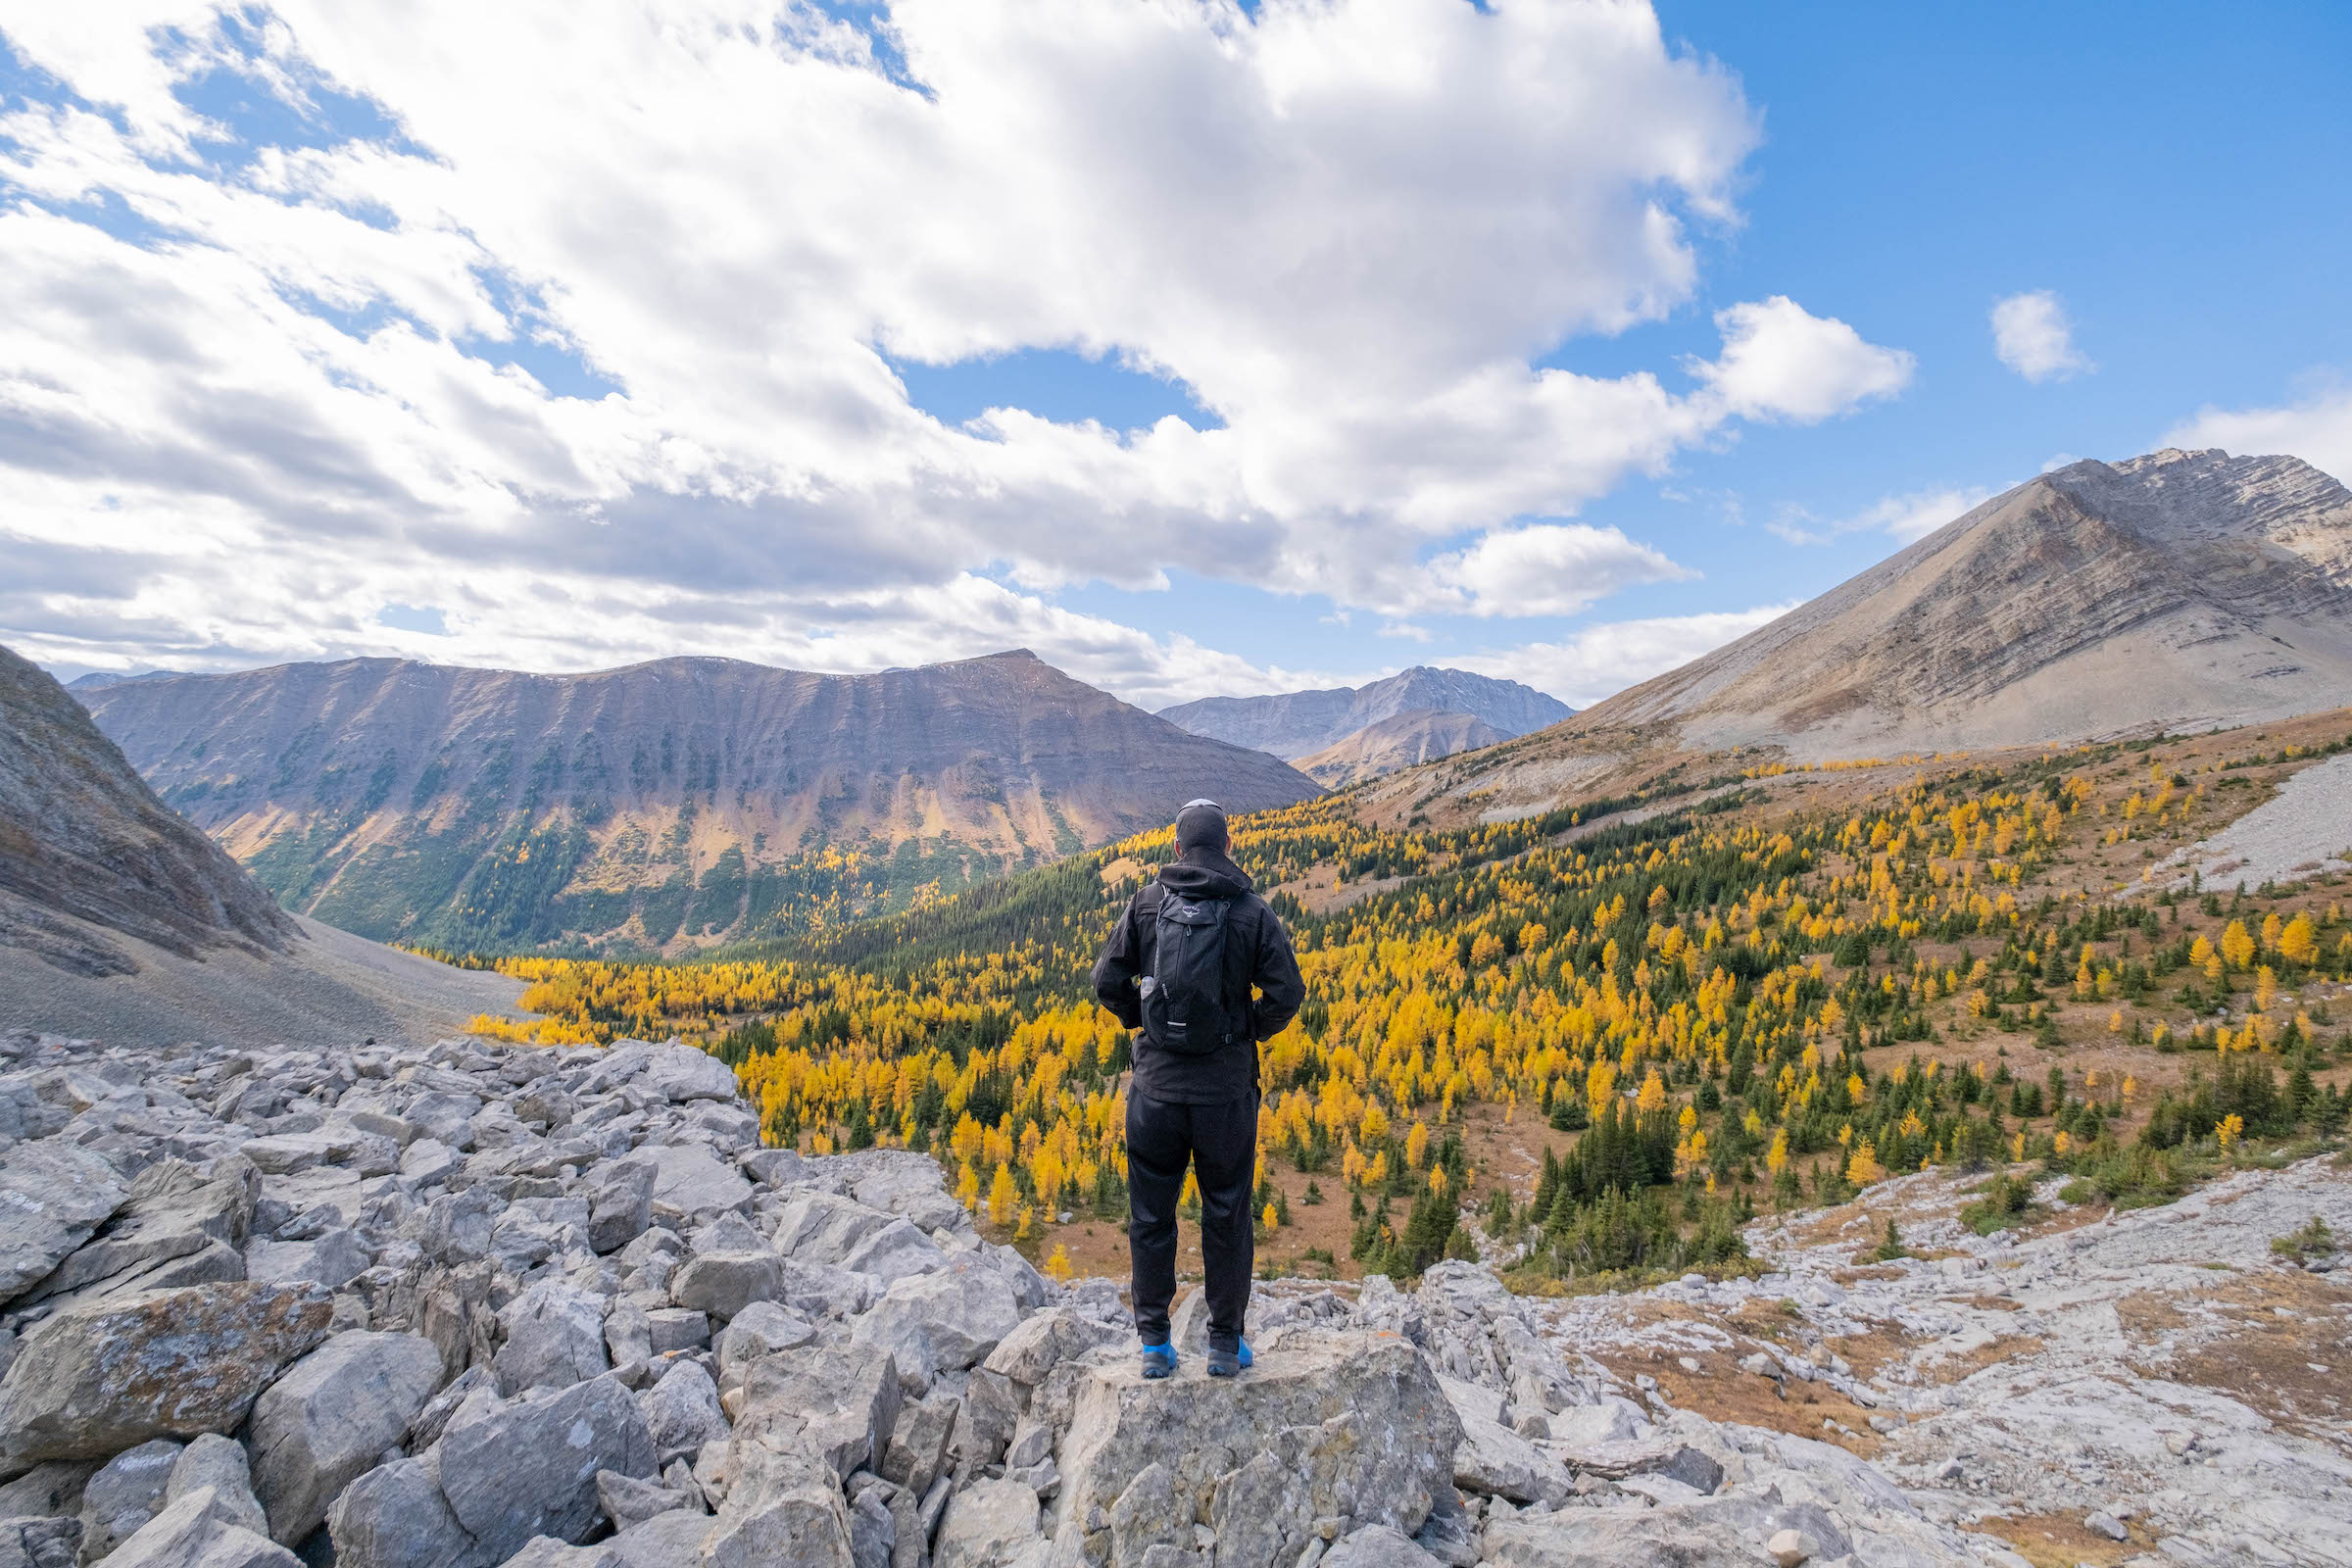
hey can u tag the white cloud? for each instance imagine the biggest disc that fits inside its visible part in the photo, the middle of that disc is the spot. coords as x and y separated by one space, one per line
1903 518
2318 429
1547 570
2033 337
1780 362
1601 660
248 397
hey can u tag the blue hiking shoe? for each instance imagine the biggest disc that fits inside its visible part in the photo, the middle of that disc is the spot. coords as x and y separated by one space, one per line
1159 1360
1230 1364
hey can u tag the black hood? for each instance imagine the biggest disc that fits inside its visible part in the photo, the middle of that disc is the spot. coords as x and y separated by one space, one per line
1202 873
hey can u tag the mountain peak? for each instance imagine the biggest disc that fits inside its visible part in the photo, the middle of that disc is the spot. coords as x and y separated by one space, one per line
2173 590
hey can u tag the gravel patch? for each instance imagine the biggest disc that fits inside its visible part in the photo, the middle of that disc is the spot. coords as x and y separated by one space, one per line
2305 830
333 986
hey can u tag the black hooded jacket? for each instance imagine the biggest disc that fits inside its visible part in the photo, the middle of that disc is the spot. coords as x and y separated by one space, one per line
1257 955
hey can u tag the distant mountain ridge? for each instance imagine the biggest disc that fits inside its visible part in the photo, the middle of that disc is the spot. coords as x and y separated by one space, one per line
1421 735
661 805
1298 724
2179 590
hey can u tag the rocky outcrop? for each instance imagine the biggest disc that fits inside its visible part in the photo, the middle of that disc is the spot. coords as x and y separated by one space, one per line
377 794
476 1350
88 855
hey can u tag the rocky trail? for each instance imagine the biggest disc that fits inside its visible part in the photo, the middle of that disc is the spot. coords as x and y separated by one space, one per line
473 1305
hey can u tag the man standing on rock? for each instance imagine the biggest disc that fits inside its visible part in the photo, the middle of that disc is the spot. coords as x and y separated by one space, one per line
1181 966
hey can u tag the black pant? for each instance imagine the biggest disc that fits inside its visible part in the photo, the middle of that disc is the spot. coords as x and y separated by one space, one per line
1220 1141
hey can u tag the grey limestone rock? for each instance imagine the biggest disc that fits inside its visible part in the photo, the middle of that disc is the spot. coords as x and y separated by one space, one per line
821 1227
1618 1537
840 1405
101 1376
199 1530
554 1337
784 1505
666 1541
917 1450
334 1258
690 1181
942 1322
528 1468
330 1418
723 1284
47 1491
1325 1426
173 1208
680 1074
1043 1341
39 1542
212 1460
128 1490
682 1413
546 1551
990 1524
1377 1546
621 1205
53 1194
629 1500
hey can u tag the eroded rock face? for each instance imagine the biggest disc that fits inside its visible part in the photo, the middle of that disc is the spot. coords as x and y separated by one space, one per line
100 1377
1327 1426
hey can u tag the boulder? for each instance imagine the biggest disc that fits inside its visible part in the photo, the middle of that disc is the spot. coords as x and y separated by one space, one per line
1043 1340
1496 1462
53 1194
330 1418
546 1551
334 1258
681 1413
173 1209
784 1505
941 1322
128 1490
52 1490
620 1205
554 1337
395 1516
674 1328
917 1451
841 1405
680 1074
1377 1546
912 1186
819 1227
101 1376
1666 1456
723 1284
895 1252
200 1531
691 1181
39 1542
1325 1426
988 1525
220 1463
514 1471
1669 1537
666 1541
628 1500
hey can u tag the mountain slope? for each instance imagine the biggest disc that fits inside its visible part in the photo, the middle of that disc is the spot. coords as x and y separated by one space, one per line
664 804
87 853
1422 735
2173 591
1297 724
145 932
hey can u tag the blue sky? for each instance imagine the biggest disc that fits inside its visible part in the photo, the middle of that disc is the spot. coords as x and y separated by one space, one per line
1200 348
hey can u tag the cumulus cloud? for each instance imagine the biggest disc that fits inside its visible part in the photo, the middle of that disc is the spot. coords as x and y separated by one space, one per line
1780 363
302 376
1547 570
1601 660
2033 337
2318 429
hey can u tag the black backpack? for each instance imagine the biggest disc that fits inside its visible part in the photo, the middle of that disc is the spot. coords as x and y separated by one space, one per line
1184 1010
